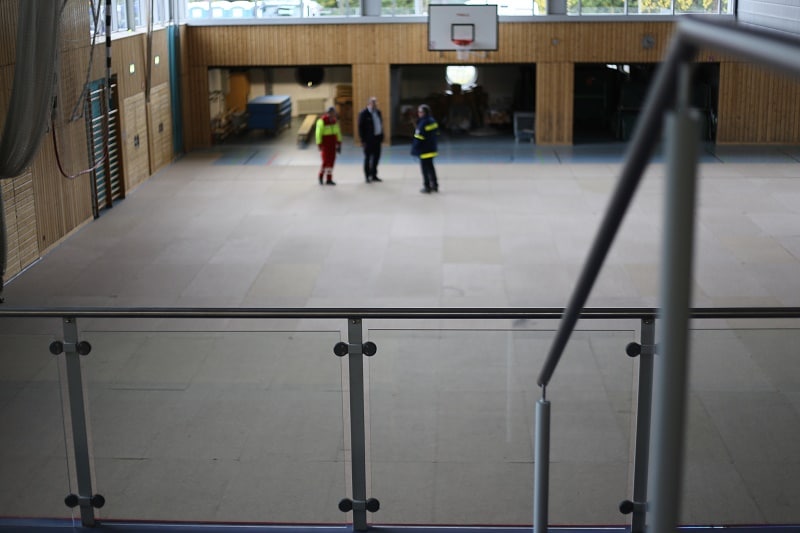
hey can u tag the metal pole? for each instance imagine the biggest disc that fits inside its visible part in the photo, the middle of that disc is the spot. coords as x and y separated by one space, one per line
670 377
642 444
541 467
357 433
77 411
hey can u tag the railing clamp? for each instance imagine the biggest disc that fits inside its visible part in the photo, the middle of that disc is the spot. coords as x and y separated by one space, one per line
635 349
73 500
628 507
58 347
370 504
342 348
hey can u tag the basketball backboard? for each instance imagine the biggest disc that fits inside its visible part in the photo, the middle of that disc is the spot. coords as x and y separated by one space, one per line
451 24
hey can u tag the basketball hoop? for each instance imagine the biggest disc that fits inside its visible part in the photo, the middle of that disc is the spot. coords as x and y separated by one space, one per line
463 46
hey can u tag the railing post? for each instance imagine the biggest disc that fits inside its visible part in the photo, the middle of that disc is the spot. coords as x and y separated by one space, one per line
73 350
541 465
355 349
357 432
645 351
670 378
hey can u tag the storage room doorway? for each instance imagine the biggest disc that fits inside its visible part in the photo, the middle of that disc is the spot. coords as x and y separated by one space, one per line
609 98
465 107
310 90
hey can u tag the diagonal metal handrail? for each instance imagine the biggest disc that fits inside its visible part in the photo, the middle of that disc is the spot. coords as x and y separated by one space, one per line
671 90
646 135
778 51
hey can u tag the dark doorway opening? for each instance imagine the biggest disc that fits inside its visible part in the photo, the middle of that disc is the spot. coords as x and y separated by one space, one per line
610 97
484 108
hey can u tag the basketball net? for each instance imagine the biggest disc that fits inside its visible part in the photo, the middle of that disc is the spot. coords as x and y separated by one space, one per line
463 47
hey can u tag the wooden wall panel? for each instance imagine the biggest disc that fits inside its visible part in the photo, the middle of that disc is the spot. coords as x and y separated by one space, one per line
25 207
336 44
8 31
6 81
46 206
20 217
9 214
554 43
49 203
159 120
371 80
554 102
62 204
135 151
159 73
196 117
123 53
757 106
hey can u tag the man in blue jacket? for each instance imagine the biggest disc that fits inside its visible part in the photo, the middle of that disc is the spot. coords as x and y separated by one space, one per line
424 147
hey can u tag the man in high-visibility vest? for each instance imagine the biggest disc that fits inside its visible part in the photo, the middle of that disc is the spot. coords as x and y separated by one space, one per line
329 141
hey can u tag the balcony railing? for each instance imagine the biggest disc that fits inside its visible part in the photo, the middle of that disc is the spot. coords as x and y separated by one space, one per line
321 416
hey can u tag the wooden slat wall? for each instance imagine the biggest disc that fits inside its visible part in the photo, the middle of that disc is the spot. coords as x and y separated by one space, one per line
63 203
135 151
196 114
374 82
8 37
159 122
43 205
553 46
407 44
757 106
159 73
20 217
125 52
554 95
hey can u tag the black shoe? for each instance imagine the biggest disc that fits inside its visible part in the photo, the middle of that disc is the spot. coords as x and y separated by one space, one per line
330 182
435 189
425 191
320 180
376 178
368 180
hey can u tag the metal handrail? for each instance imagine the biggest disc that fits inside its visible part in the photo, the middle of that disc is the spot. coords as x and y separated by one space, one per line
373 313
778 51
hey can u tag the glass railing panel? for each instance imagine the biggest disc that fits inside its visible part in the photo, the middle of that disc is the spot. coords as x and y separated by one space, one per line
218 426
33 469
451 424
742 460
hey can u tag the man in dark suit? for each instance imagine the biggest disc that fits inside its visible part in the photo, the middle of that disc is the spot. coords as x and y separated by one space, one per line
370 131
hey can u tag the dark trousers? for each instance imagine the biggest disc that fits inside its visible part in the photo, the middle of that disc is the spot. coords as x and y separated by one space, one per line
372 154
429 174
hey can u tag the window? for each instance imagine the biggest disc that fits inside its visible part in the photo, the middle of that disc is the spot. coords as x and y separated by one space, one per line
244 9
130 14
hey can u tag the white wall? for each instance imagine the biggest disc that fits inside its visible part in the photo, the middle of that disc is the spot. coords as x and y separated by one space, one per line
780 15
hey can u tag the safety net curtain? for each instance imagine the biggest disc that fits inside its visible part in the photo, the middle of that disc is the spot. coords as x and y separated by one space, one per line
31 94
